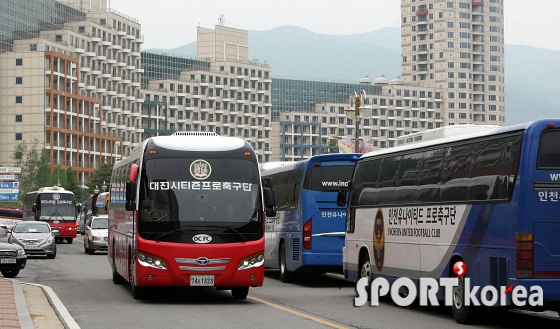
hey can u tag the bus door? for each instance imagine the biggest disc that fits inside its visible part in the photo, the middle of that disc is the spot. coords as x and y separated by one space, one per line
545 201
326 229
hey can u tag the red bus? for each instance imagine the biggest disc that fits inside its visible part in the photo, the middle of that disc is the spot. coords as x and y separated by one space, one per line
54 205
189 210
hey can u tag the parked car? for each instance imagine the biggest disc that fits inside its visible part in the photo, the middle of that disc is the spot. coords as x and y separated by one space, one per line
12 259
96 235
5 226
35 237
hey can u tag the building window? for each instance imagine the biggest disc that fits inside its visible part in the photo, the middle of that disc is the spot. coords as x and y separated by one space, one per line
19 80
19 61
19 99
19 118
19 137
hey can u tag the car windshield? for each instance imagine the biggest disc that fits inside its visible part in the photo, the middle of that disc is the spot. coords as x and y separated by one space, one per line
31 228
100 223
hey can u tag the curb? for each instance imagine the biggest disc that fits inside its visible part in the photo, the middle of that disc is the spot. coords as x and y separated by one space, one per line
24 317
59 308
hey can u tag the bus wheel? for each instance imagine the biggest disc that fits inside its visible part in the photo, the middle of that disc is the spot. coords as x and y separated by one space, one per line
117 278
463 314
14 273
285 275
136 291
240 292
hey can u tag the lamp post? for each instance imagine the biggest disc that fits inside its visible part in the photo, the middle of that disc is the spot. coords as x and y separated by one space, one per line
96 191
361 108
104 186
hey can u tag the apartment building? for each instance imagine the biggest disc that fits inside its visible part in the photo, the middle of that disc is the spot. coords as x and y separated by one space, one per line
73 84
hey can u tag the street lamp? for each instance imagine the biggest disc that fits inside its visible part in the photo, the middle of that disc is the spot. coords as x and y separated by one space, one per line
96 191
104 187
360 109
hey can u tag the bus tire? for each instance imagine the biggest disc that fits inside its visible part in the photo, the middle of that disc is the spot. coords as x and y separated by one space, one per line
461 313
285 275
365 271
117 278
240 292
10 273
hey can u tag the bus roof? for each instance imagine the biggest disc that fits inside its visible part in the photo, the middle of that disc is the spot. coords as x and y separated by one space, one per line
274 167
52 189
488 131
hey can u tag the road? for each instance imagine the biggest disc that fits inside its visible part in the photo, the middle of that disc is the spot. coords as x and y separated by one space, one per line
83 283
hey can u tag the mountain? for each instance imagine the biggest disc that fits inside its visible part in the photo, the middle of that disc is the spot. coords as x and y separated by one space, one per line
532 74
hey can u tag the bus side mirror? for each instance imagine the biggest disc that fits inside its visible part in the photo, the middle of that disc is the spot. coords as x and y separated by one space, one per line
269 202
341 198
267 183
130 196
34 208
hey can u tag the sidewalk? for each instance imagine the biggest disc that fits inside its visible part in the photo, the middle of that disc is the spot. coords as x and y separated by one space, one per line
29 306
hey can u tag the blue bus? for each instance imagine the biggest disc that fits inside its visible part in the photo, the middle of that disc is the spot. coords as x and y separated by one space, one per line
307 233
489 199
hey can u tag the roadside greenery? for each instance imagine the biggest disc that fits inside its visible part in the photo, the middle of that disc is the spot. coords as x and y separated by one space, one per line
36 173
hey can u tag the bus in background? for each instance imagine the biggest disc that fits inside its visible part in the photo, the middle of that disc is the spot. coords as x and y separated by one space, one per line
489 199
307 233
54 205
188 210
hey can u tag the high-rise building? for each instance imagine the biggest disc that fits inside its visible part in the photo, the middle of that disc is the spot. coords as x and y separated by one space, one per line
74 79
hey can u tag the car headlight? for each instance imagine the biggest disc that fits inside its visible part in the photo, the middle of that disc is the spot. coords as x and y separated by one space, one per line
151 261
50 240
21 252
252 261
95 238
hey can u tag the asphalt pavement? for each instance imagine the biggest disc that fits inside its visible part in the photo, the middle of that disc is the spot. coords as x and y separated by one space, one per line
28 306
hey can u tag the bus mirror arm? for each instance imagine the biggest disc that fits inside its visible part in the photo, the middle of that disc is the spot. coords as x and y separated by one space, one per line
130 206
341 198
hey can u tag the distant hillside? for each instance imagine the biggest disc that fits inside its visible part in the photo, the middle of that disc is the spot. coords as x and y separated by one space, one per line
532 74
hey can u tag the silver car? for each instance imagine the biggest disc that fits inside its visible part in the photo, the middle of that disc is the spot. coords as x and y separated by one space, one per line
95 236
35 237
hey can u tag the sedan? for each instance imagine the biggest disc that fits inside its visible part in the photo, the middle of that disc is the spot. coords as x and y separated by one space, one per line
12 259
96 235
35 237
5 226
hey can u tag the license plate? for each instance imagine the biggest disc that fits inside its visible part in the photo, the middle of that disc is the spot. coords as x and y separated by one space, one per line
202 280
7 261
31 247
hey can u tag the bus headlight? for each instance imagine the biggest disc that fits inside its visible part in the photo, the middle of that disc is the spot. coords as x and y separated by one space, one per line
151 261
252 261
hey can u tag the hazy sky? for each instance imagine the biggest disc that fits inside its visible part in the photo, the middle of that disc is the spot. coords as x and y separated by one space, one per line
172 23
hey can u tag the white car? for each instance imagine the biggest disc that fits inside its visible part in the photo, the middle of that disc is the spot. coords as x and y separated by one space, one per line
96 235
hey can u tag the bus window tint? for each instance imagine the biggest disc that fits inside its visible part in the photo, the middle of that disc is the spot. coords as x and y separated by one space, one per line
486 170
387 179
365 183
456 173
511 161
328 178
429 178
549 150
408 174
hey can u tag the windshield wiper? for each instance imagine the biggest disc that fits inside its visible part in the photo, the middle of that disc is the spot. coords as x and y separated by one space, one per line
56 213
177 230
228 227
194 229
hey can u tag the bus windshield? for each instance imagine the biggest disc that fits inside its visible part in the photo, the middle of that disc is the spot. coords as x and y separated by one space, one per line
62 209
171 197
328 178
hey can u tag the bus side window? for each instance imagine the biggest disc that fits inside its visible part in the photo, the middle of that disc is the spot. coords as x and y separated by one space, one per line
429 178
388 179
456 173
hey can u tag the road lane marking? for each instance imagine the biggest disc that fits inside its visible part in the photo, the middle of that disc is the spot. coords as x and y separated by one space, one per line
307 316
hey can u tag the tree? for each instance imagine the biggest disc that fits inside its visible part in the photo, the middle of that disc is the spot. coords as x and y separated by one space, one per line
58 177
100 176
34 166
72 183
